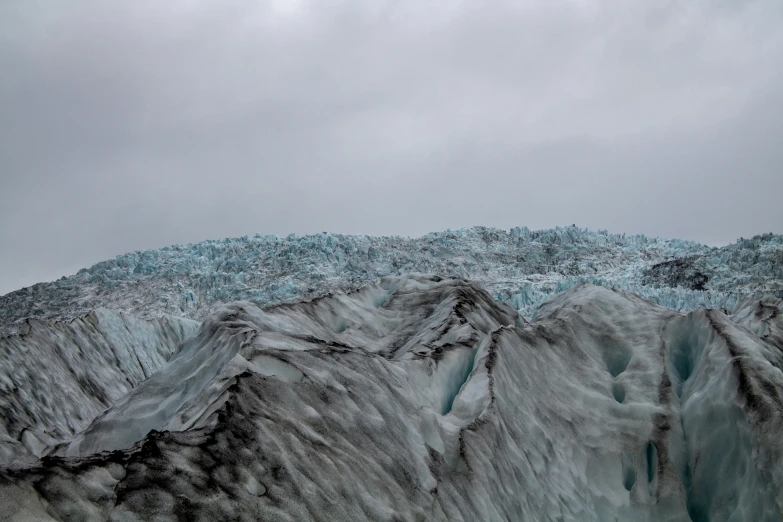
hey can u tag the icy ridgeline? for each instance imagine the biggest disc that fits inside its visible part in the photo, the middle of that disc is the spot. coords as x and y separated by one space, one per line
518 267
426 399
56 378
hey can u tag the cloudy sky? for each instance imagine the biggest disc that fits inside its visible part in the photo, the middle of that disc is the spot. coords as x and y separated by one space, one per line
137 124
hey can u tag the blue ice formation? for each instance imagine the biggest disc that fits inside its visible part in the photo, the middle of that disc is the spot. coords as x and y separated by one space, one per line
519 267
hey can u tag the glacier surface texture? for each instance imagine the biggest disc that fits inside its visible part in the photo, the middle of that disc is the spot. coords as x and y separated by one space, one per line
556 375
519 267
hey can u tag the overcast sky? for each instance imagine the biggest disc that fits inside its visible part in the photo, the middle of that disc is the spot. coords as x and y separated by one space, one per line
137 124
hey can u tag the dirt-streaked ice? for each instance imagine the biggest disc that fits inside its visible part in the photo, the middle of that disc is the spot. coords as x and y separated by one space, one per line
56 378
424 398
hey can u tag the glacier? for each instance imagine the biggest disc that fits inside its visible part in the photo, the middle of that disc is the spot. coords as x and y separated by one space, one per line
478 374
56 378
519 267
424 398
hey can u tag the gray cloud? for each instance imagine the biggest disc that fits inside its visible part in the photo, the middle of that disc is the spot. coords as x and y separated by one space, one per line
141 124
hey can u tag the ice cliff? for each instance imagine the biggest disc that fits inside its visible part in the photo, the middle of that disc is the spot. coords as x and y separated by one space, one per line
424 398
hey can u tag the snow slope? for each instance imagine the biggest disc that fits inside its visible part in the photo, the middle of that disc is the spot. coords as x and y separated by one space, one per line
519 267
424 398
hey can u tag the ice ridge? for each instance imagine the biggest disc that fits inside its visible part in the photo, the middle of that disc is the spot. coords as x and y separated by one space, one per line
424 398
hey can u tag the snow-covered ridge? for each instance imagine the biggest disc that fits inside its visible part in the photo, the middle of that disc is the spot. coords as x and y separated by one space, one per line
519 267
423 398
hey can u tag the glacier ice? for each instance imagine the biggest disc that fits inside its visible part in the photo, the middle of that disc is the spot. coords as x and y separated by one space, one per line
56 378
519 267
425 398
